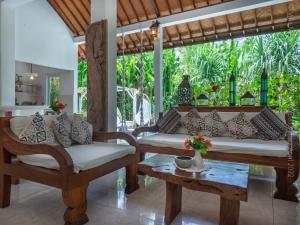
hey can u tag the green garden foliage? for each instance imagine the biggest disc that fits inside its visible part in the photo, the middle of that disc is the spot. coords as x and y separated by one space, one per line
212 63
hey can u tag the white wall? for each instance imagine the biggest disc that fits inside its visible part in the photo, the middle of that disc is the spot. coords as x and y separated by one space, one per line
35 34
7 72
42 38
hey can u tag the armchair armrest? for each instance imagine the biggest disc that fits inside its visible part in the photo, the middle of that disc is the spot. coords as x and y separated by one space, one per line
105 136
140 130
13 145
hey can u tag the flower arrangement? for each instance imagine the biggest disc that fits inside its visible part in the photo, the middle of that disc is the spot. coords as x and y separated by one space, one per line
198 142
58 107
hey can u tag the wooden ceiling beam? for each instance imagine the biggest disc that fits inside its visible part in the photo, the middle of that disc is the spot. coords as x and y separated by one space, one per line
65 18
76 11
168 7
178 32
167 33
222 36
194 3
138 19
134 11
227 23
155 7
87 5
241 20
236 34
200 28
180 5
211 11
63 3
189 30
124 11
87 11
144 10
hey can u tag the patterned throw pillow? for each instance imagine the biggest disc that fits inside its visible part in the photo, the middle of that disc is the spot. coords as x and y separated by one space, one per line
62 130
170 122
80 131
269 126
240 127
193 122
36 132
213 125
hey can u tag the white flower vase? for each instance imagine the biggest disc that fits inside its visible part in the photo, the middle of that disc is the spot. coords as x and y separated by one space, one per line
198 160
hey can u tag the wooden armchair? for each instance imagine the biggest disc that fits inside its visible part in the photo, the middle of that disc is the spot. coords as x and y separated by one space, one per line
73 185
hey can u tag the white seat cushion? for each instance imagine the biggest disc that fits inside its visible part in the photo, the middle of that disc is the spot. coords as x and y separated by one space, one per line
84 157
223 144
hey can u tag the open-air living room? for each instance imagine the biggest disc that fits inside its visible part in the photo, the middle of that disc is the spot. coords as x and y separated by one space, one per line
149 112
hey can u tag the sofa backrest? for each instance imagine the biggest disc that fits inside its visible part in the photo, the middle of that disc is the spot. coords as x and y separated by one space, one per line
227 113
17 124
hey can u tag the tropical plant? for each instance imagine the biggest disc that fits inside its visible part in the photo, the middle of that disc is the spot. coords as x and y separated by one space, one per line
212 64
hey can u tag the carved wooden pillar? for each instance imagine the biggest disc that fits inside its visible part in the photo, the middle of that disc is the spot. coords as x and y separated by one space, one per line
96 50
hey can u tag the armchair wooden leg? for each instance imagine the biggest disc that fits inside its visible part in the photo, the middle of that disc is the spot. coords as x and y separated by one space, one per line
131 179
15 180
285 188
75 200
5 189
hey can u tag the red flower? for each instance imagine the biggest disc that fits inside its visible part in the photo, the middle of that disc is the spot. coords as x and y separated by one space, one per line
60 106
208 143
214 88
199 137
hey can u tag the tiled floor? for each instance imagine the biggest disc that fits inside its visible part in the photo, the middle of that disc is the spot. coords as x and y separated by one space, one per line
34 204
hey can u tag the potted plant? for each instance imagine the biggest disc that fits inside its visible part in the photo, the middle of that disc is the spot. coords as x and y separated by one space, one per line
200 145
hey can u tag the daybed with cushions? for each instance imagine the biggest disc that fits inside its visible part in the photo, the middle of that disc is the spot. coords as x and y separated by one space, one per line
283 154
69 169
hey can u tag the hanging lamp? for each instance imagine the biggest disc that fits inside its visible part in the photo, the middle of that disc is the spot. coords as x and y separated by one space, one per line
31 75
154 29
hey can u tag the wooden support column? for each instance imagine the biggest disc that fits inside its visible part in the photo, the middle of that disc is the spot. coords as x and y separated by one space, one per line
158 72
101 58
96 50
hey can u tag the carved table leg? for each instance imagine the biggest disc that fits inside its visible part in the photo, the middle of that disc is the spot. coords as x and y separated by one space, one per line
75 200
5 188
173 202
131 179
229 212
285 189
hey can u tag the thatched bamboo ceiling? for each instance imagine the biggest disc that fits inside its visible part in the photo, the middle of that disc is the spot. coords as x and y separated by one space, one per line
76 14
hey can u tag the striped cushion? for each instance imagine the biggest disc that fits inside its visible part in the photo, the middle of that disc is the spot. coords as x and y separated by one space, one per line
269 126
170 122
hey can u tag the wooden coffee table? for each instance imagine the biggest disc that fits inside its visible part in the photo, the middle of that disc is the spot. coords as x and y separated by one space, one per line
229 180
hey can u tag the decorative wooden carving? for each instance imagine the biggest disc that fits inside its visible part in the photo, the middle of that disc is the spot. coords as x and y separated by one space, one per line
96 49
